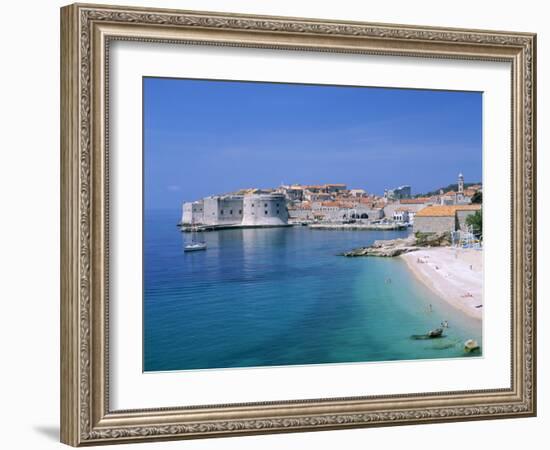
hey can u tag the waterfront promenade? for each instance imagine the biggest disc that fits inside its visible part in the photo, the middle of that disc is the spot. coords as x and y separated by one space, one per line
358 226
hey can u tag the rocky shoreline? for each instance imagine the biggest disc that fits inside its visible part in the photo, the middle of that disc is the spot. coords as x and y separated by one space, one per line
396 247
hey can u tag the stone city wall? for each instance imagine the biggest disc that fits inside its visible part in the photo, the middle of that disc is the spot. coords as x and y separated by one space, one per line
264 210
441 224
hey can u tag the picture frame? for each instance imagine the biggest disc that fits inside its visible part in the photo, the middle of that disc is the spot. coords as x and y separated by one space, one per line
87 32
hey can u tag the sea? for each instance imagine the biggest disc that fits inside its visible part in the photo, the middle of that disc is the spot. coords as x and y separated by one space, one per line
285 296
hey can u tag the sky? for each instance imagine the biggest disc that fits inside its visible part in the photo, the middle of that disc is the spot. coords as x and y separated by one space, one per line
206 137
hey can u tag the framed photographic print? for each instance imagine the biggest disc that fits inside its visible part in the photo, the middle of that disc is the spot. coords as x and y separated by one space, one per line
275 224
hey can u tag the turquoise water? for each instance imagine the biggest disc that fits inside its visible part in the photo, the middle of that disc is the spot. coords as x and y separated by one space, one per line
282 296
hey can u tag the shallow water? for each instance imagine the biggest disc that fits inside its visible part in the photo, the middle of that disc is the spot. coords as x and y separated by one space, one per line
282 296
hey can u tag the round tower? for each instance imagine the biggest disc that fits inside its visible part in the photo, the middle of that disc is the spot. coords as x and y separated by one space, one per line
264 210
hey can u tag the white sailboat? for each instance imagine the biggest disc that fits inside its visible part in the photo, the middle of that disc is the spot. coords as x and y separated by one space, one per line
195 246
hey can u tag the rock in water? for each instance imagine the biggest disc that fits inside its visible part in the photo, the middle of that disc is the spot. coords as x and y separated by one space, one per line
471 345
396 247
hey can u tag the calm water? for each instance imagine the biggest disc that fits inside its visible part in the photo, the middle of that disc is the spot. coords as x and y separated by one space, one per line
280 296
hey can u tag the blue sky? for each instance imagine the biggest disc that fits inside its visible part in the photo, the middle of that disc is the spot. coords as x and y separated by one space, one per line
208 137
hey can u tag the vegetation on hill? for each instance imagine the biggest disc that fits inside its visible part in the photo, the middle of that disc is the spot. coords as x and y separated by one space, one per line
477 198
476 222
450 187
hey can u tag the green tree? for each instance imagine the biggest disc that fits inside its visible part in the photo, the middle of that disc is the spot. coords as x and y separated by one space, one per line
476 222
477 197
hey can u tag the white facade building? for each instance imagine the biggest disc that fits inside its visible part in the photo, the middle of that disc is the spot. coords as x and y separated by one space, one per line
235 210
456 198
223 210
265 210
193 213
460 183
401 215
293 193
340 213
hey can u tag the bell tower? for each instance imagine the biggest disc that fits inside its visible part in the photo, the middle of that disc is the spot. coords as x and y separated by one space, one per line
460 183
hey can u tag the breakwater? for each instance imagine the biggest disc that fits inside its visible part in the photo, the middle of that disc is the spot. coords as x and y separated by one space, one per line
358 226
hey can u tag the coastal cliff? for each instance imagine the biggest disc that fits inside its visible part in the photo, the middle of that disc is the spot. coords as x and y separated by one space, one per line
396 247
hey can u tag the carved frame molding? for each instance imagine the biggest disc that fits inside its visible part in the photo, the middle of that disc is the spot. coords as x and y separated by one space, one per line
86 32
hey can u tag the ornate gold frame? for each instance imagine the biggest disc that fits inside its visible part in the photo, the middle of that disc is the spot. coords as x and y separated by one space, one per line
86 31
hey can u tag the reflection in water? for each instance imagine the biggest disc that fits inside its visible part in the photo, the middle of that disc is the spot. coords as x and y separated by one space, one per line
281 296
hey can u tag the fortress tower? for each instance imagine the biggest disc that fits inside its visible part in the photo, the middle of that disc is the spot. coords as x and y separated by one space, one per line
264 210
251 210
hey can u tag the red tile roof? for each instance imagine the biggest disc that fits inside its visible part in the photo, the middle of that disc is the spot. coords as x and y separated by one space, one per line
414 201
445 210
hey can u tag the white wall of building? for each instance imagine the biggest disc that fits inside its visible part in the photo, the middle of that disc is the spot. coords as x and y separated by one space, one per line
401 216
264 210
223 210
193 212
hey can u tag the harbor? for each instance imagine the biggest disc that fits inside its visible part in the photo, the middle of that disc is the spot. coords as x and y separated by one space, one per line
257 297
266 266
334 206
315 226
359 226
205 228
279 219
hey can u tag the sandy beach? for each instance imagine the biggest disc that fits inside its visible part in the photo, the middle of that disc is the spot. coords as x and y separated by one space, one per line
456 275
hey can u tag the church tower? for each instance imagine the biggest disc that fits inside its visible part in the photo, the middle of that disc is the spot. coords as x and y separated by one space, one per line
460 183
